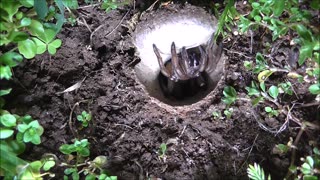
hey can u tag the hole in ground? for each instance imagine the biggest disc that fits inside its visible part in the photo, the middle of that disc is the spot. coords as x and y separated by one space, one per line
179 93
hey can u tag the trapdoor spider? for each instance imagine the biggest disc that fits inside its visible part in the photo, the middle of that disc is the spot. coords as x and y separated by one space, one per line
188 67
186 71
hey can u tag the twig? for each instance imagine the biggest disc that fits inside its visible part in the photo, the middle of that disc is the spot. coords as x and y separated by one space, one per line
88 6
295 144
254 142
235 52
84 23
91 36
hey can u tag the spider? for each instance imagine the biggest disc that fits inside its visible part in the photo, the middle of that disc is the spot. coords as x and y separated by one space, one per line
187 70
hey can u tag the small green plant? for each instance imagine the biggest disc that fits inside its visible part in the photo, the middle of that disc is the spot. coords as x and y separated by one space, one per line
30 28
81 148
310 169
271 111
268 14
15 132
162 151
109 5
255 172
228 112
230 95
226 20
84 118
90 169
216 114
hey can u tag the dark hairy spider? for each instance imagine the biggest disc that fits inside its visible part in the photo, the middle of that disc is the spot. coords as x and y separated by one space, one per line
188 66
186 72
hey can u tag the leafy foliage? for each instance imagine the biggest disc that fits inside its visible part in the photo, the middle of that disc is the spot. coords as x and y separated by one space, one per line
84 118
267 13
255 172
109 5
32 30
230 95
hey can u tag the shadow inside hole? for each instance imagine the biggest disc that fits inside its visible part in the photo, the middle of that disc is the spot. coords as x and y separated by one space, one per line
183 90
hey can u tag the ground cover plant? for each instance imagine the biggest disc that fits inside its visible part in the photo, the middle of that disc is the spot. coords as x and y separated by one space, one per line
71 107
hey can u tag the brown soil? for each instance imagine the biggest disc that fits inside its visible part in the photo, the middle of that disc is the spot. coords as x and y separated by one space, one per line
128 127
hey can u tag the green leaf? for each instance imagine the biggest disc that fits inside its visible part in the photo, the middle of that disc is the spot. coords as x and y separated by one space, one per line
5 133
268 109
11 7
8 120
257 18
273 92
48 36
75 176
11 58
303 32
310 177
255 172
278 7
27 3
310 161
56 43
36 28
72 4
22 128
229 91
16 36
48 165
256 101
315 4
27 48
255 5
5 72
67 149
306 168
315 89
36 165
84 152
52 47
252 91
248 65
100 161
25 22
41 46
16 146
90 177
68 171
9 160
36 139
41 8
263 76
5 92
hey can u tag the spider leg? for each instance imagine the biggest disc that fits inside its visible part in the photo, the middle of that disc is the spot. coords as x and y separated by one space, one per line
186 64
214 53
203 59
178 71
163 69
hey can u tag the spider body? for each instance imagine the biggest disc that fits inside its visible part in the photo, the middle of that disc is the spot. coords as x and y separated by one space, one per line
178 56
187 71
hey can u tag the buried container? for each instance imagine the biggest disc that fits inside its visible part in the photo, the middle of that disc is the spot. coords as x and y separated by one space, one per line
180 65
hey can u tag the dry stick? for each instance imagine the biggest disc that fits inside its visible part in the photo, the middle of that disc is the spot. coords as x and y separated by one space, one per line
84 23
295 144
254 141
91 36
91 5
